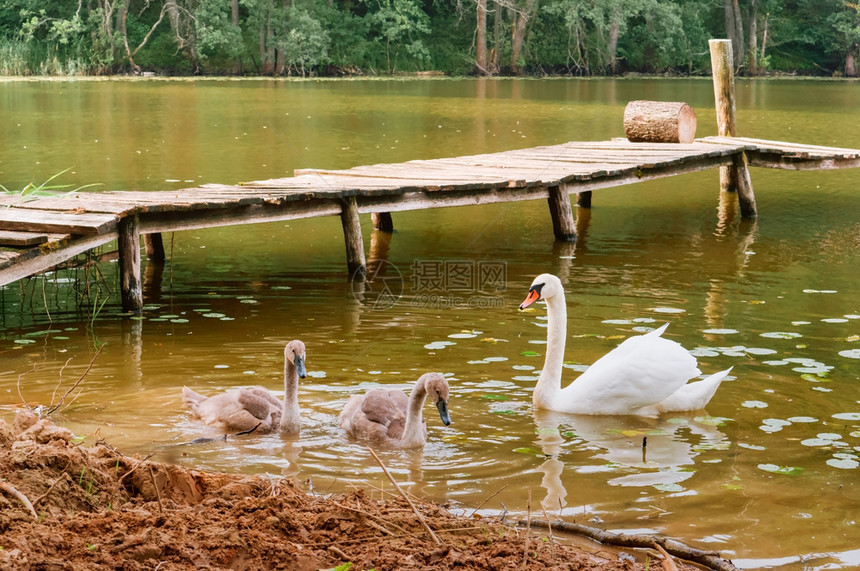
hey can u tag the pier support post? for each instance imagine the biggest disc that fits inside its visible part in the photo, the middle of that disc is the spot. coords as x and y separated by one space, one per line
355 260
382 221
736 177
563 223
154 245
128 242
583 199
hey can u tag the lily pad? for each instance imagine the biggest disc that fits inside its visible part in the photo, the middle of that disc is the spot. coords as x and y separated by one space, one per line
843 463
850 353
847 415
721 331
781 335
775 469
668 310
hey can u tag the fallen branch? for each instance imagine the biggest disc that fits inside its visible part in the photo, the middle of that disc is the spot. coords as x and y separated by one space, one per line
667 563
12 491
710 559
405 497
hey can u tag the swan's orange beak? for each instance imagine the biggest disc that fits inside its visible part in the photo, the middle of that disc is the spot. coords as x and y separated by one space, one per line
532 297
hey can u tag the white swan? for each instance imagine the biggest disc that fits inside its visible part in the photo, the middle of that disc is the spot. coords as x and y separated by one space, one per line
389 418
645 375
241 410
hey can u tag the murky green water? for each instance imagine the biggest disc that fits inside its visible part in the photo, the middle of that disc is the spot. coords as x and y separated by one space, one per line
768 476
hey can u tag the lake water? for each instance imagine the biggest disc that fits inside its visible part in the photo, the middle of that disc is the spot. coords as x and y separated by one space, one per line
768 475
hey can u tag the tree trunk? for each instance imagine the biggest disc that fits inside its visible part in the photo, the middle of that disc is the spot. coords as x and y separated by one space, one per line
739 34
764 34
481 39
612 48
497 36
753 47
521 21
659 122
729 16
850 67
234 9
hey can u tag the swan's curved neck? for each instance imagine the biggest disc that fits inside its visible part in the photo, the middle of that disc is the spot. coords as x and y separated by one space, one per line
549 383
290 419
413 431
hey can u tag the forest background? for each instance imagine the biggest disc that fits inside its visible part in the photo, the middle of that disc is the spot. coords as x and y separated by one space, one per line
455 37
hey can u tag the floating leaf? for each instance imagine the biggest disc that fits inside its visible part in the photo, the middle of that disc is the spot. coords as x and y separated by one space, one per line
713 420
668 310
816 442
754 404
843 463
526 450
494 397
721 331
802 419
850 353
669 487
530 354
438 345
760 351
786 470
847 415
781 335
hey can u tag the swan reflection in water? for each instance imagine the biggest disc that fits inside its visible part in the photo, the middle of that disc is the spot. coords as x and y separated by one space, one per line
671 442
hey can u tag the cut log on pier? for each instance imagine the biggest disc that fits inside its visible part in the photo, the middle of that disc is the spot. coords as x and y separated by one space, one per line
659 122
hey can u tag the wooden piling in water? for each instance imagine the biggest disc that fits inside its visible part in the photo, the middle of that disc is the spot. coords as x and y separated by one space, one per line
382 221
733 178
355 260
563 222
128 244
154 245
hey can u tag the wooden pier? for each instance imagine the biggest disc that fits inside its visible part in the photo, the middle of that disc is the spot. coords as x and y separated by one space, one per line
38 234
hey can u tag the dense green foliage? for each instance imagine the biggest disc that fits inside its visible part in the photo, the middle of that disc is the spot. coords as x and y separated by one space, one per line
328 37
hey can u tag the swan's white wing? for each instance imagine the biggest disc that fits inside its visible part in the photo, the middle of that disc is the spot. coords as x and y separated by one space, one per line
640 372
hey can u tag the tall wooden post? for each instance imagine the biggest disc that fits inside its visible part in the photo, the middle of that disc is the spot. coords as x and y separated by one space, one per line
735 178
563 223
128 243
355 260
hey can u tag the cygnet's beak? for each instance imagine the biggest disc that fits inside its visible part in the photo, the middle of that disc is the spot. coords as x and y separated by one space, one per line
532 297
442 405
299 362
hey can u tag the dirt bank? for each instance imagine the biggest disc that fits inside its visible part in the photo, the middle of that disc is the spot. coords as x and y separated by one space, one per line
95 508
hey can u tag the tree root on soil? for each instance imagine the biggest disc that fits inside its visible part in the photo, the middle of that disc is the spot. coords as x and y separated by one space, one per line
709 559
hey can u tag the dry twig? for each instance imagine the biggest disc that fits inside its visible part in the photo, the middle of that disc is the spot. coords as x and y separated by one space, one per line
12 491
490 497
74 386
405 497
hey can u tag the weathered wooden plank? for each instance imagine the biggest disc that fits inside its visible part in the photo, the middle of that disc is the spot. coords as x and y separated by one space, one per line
20 239
50 221
39 259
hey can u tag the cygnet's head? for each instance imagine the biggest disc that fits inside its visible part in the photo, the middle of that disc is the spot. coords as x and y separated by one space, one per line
295 354
437 389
